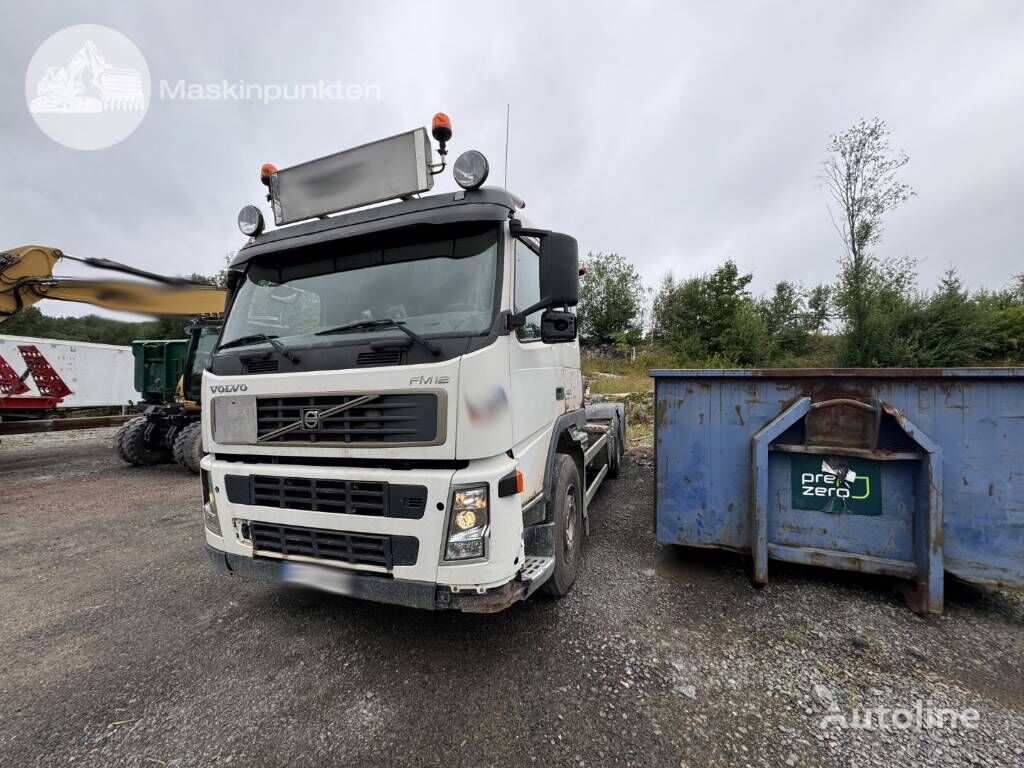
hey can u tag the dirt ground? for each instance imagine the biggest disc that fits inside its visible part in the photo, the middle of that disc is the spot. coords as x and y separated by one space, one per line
122 647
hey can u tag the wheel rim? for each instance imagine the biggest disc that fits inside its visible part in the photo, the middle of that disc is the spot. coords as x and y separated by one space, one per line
570 518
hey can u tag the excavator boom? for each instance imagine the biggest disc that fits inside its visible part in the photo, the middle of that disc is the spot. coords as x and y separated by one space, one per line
26 277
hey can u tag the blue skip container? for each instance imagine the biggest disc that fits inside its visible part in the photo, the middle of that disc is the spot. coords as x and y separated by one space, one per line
909 473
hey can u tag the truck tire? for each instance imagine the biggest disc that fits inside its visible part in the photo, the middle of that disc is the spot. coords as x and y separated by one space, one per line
136 450
616 447
119 439
188 447
568 514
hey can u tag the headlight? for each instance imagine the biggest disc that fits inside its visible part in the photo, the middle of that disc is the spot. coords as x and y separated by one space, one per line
210 517
250 221
468 527
471 169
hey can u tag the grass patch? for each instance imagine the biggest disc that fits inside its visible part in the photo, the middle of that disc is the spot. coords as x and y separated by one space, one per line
627 382
825 668
639 433
796 633
641 366
613 385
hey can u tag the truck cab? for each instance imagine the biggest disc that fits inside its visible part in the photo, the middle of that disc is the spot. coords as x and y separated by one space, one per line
395 407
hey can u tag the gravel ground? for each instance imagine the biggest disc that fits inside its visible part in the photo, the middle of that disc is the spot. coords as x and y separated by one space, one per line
121 647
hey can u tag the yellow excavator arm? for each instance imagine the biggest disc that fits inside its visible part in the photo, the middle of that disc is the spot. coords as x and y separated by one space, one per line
26 277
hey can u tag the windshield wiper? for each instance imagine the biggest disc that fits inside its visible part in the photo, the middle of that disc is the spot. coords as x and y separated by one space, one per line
384 322
256 338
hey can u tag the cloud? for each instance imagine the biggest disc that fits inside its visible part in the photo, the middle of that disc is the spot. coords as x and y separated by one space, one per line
676 134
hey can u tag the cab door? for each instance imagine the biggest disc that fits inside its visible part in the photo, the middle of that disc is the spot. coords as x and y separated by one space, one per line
536 373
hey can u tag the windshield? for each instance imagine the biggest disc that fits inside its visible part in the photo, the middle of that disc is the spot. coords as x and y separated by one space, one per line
204 348
440 286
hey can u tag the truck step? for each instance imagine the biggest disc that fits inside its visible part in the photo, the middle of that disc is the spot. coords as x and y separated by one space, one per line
595 446
536 571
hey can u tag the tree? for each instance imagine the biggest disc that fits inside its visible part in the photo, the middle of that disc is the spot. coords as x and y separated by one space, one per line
611 300
785 318
947 328
889 334
819 308
711 317
860 173
1000 324
1017 290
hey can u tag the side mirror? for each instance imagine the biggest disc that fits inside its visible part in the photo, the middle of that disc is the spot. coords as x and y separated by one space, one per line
557 326
560 270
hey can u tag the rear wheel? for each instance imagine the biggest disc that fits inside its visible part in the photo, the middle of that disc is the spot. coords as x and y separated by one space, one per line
188 447
136 449
568 514
615 449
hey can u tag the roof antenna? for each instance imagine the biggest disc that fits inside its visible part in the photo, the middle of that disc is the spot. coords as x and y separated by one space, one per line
508 115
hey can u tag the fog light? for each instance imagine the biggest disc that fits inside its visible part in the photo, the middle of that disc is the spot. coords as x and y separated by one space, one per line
468 527
464 550
210 517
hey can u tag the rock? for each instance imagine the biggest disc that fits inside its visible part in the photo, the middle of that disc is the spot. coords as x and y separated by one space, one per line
859 643
823 696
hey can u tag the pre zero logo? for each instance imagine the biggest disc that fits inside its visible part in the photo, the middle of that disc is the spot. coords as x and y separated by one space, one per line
87 87
836 485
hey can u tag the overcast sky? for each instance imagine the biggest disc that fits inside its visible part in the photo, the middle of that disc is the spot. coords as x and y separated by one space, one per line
678 135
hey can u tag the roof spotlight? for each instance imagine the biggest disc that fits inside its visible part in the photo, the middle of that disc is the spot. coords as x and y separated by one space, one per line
250 221
471 169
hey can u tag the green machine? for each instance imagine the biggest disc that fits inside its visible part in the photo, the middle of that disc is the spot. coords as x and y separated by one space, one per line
167 376
158 367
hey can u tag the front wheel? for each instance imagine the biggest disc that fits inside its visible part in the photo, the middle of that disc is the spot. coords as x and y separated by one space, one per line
135 448
119 439
568 514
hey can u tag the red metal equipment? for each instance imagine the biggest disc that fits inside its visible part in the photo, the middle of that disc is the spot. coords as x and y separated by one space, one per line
10 382
51 387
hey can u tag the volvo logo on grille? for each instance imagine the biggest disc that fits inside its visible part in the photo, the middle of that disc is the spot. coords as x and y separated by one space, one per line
311 419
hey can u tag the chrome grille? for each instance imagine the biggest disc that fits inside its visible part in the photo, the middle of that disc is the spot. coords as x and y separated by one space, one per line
356 418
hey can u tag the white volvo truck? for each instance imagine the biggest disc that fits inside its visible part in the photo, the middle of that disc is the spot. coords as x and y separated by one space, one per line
395 410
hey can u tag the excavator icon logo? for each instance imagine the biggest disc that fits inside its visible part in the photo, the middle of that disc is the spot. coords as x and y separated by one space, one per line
87 86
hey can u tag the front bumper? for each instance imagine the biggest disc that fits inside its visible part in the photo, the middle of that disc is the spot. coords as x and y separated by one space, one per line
380 589
505 552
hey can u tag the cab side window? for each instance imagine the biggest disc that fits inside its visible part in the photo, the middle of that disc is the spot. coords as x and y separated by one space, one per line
527 289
